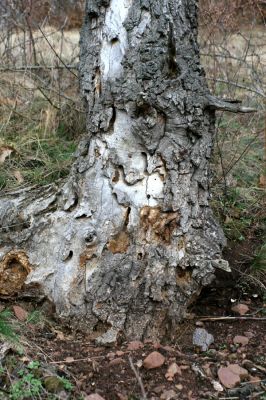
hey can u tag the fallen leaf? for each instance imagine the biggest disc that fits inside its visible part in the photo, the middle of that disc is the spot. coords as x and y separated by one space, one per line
262 181
217 386
60 335
5 151
17 174
20 313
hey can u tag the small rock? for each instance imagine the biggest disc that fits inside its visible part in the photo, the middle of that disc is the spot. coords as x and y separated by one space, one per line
227 378
240 309
154 360
159 389
94 396
179 386
116 361
202 339
173 369
20 313
217 386
139 363
135 345
236 369
168 395
120 353
243 340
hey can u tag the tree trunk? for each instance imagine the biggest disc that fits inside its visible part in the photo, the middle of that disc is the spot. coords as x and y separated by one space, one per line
127 243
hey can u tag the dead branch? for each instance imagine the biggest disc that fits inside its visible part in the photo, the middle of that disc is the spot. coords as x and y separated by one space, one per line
228 105
36 67
209 318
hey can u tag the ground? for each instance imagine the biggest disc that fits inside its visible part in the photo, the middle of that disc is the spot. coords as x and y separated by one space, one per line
80 367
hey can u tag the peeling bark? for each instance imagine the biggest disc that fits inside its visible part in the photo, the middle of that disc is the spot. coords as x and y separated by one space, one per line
129 240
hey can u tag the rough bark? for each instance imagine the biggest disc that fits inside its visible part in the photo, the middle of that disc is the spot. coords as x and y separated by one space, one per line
129 240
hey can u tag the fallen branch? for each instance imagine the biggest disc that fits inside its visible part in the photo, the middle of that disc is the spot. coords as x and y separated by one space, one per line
228 105
76 360
208 318
36 67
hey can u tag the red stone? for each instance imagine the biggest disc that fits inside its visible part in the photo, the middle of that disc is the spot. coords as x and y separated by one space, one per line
227 378
153 360
243 340
135 345
240 309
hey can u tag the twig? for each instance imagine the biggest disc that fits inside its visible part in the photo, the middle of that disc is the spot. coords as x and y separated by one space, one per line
57 55
76 360
231 318
36 67
248 88
229 398
47 98
258 394
138 377
234 162
225 105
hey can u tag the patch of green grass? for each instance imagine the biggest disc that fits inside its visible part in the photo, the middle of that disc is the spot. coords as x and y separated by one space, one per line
43 138
259 262
6 329
35 317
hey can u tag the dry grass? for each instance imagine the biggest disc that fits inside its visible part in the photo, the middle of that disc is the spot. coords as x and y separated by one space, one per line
42 114
48 43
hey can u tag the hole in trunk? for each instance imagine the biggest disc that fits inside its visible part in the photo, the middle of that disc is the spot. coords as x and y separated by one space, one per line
114 41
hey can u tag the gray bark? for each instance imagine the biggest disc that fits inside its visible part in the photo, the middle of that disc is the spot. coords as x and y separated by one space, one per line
127 243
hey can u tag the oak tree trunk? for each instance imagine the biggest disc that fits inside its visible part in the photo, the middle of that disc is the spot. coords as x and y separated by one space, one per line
127 243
